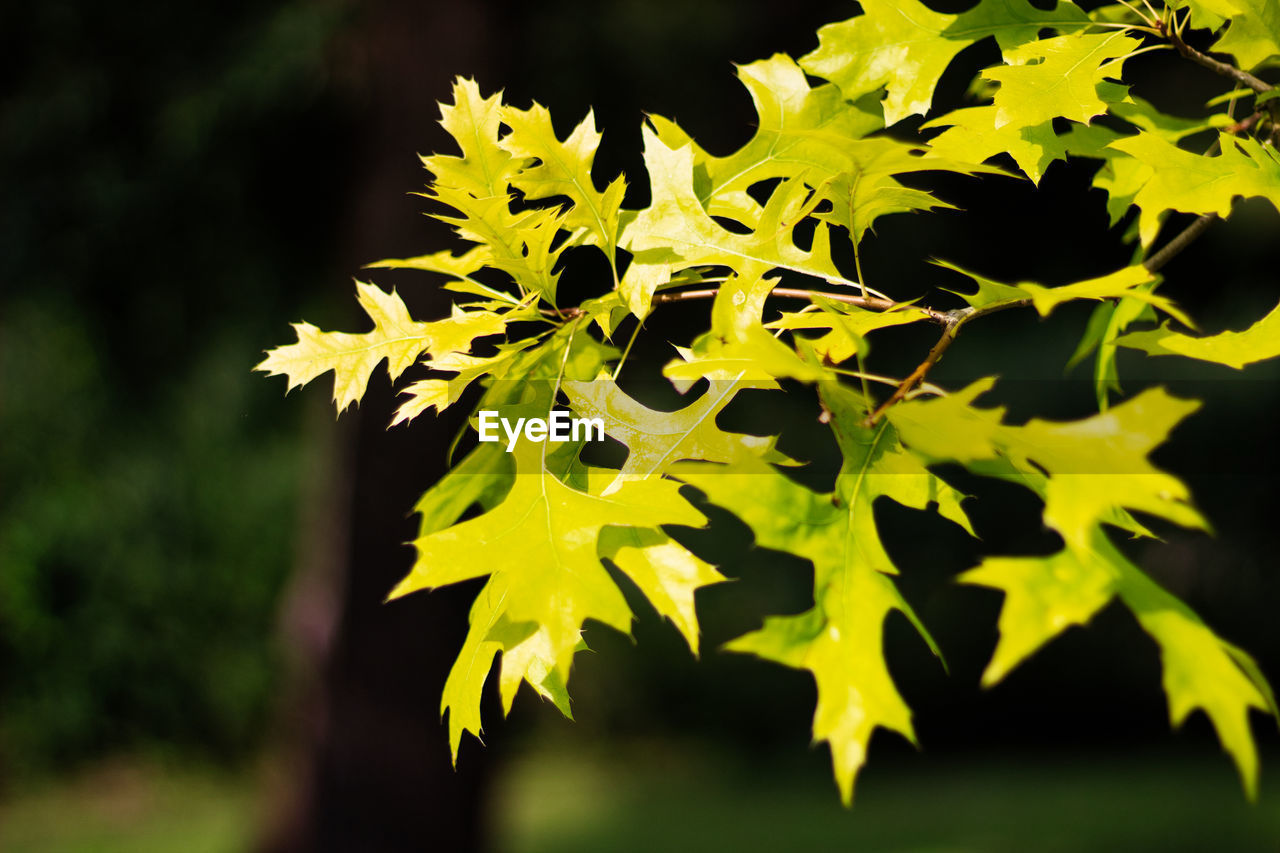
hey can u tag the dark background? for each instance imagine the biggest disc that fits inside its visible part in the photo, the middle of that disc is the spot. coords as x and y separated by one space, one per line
192 566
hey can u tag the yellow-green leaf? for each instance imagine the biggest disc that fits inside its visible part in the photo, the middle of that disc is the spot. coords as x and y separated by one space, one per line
665 571
1174 179
484 168
1057 78
847 325
540 548
564 169
676 223
396 337
1259 342
905 46
840 639
655 439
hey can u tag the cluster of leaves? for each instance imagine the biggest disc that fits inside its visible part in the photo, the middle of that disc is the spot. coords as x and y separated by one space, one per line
820 166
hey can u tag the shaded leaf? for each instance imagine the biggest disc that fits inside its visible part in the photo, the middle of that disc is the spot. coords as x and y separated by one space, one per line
840 639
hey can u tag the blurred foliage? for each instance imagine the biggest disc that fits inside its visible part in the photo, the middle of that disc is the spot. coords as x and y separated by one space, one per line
149 222
562 800
131 807
661 795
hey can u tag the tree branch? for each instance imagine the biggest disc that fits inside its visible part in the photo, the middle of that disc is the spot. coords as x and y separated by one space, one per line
1177 244
1174 34
951 321
955 319
1214 65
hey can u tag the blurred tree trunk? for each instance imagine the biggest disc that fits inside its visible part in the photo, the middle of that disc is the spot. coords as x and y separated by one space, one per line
366 765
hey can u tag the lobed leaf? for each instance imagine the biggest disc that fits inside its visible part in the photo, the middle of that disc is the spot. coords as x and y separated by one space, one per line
564 169
1125 283
473 121
1173 179
905 46
847 326
1253 27
396 338
676 224
840 639
655 440
1057 78
1259 342
539 547
665 571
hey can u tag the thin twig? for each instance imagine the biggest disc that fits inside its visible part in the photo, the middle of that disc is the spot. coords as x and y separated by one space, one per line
873 303
951 328
917 375
955 319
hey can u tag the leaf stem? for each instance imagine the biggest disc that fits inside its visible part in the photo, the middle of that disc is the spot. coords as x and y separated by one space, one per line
857 355
571 313
564 362
635 333
924 388
1150 22
1127 27
1137 52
